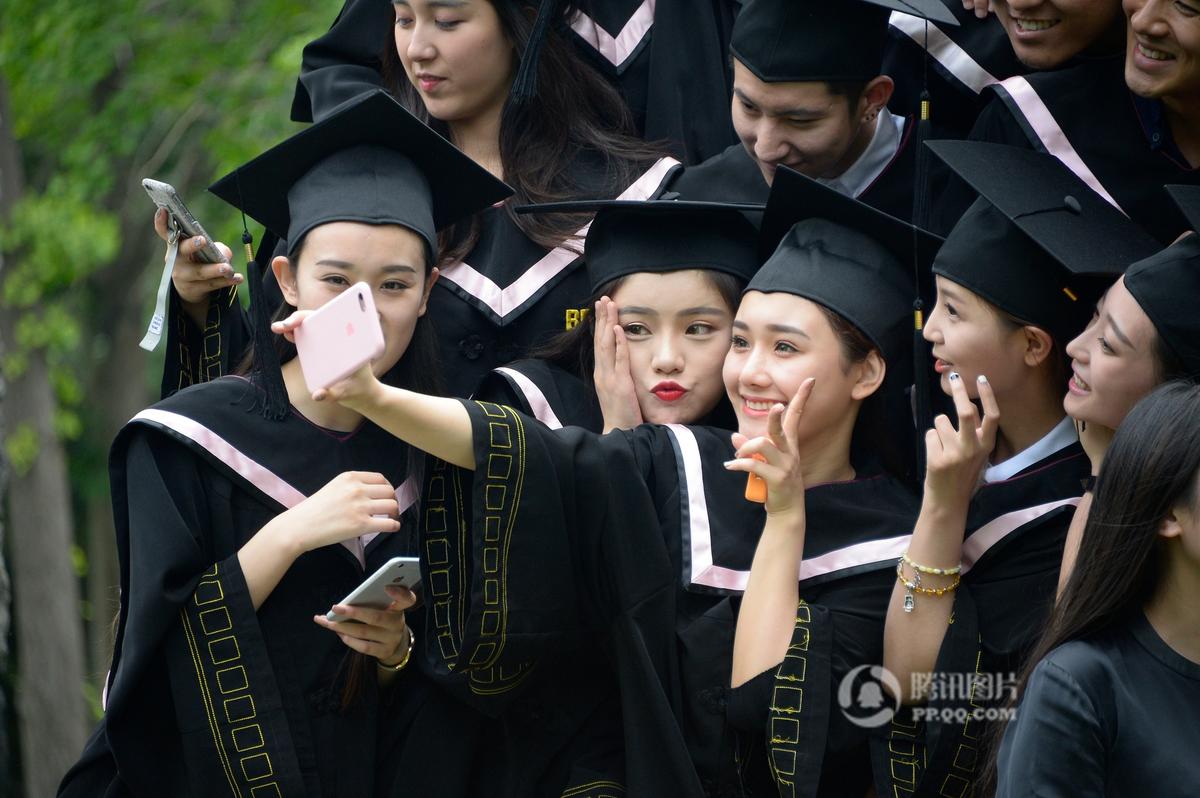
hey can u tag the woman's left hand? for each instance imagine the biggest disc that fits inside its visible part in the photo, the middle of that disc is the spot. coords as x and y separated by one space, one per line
382 634
779 465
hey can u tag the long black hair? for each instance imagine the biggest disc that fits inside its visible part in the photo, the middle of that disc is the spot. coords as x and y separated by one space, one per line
1150 468
574 114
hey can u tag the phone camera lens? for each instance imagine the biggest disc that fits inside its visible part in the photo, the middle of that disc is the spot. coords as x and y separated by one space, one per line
362 303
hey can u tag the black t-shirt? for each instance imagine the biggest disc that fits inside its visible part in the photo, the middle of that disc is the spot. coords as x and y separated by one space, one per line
1115 714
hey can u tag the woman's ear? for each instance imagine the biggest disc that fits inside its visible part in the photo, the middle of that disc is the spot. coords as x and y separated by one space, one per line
1039 345
1171 526
285 275
429 281
871 371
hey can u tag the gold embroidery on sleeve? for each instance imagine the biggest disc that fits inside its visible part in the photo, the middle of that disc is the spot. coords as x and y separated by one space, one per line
218 640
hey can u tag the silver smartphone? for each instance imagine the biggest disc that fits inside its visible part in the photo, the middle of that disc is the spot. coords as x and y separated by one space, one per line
165 196
396 572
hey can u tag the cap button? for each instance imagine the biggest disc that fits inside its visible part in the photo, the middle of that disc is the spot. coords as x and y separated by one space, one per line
1072 205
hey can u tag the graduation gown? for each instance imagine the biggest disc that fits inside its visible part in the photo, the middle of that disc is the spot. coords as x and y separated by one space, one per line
1012 554
962 62
1059 112
205 695
1112 714
640 542
545 391
733 176
667 58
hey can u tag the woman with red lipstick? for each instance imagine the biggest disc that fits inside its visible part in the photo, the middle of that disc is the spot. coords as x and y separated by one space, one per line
665 280
641 541
1145 104
501 81
1013 279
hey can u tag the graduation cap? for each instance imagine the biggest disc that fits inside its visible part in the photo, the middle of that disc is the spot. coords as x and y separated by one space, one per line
1188 200
1167 286
1038 244
855 260
783 41
370 161
627 237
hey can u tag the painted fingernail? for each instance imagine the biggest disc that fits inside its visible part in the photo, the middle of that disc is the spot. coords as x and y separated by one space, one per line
199 241
982 380
953 376
729 463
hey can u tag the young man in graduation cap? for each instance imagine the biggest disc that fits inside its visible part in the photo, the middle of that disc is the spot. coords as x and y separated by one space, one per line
242 506
1017 278
808 94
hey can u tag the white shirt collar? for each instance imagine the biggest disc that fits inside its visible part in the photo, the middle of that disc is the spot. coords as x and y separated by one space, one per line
885 143
1057 439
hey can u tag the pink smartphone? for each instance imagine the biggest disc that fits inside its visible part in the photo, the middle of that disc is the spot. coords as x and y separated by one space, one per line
339 338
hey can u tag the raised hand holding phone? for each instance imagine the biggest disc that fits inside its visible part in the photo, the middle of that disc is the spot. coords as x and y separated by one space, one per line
339 338
195 263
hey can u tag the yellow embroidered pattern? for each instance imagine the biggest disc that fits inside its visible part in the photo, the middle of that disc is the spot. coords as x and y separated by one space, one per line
503 477
595 789
217 643
787 702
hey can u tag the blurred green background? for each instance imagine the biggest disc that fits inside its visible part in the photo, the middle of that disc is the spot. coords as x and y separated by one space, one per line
93 98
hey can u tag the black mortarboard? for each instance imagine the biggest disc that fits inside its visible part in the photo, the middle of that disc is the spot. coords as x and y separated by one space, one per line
1038 244
803 40
1167 286
851 258
369 161
627 237
1188 200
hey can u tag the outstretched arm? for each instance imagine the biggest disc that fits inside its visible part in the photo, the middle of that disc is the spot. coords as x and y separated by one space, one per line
433 424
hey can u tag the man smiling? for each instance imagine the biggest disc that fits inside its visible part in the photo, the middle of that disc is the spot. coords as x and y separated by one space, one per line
808 94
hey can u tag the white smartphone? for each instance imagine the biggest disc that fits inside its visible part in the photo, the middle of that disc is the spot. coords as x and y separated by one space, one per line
339 338
165 196
396 572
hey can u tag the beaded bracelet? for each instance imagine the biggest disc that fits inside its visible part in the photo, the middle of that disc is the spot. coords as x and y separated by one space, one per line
910 600
925 569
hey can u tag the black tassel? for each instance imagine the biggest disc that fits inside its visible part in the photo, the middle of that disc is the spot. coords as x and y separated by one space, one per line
273 401
524 86
922 399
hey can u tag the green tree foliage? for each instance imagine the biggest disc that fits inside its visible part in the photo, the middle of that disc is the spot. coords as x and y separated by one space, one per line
101 96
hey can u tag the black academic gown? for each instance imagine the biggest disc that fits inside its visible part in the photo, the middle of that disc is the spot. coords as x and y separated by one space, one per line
733 176
639 542
962 61
1012 554
668 59
1111 714
205 695
1132 160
